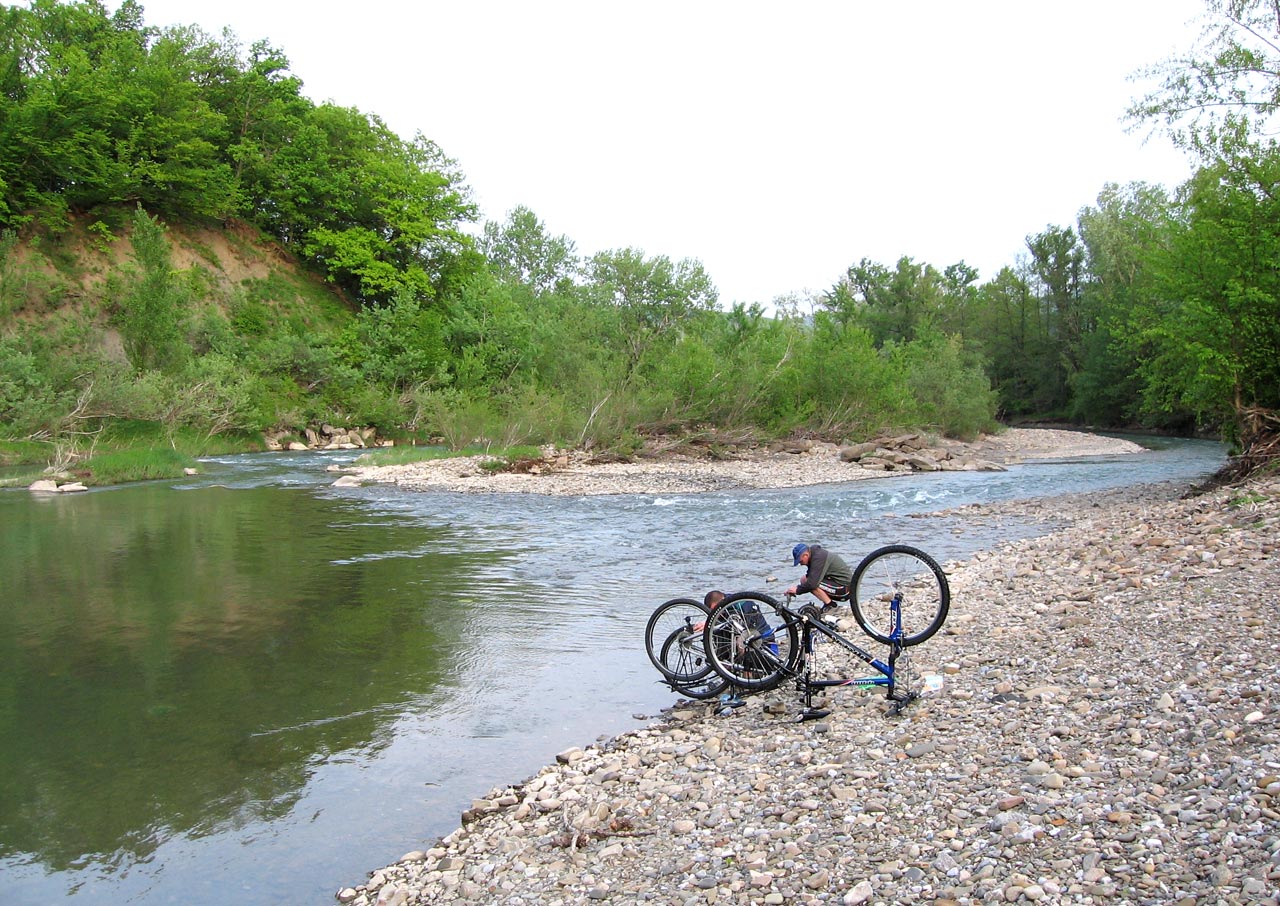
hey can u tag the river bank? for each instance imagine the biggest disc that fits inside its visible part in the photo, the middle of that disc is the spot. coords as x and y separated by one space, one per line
759 468
1106 733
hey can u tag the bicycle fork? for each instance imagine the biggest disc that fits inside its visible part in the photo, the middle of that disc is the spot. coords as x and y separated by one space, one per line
898 696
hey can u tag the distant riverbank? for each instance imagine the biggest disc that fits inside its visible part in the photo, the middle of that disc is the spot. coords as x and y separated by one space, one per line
817 464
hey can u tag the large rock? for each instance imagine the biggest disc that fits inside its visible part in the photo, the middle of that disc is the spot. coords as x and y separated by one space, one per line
795 446
855 452
921 462
909 453
970 464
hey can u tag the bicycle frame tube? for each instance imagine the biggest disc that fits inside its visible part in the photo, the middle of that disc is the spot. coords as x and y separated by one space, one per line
861 653
809 626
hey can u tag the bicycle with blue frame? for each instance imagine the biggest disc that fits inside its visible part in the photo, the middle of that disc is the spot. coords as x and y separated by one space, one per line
899 597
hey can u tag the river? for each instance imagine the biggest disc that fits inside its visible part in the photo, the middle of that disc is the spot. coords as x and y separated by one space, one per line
249 686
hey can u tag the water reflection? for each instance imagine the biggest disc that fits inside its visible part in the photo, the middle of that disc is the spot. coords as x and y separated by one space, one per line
156 645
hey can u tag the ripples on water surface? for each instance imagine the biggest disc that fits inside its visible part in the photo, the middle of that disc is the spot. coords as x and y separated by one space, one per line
252 687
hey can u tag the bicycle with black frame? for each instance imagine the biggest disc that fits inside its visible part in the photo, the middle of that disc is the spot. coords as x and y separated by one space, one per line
673 638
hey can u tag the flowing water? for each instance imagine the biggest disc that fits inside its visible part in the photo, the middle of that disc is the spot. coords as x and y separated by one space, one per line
252 687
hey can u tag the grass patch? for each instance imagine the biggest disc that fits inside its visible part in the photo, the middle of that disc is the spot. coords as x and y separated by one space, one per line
132 465
124 450
498 460
21 476
22 452
130 434
1247 498
511 459
401 456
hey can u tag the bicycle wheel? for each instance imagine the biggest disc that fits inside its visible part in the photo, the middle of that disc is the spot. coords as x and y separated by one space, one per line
751 641
915 580
686 666
678 614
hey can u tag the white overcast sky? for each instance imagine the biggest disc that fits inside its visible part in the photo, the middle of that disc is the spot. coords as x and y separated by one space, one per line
777 143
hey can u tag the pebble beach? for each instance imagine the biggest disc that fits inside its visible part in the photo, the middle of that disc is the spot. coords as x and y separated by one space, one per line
1105 732
818 463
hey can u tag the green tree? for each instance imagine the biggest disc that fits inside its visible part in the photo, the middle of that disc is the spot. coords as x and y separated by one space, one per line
1209 338
96 114
1209 345
99 110
948 385
490 333
1022 358
400 344
654 297
1221 95
387 213
1122 235
57 112
1057 266
152 312
892 304
520 250
959 300
172 154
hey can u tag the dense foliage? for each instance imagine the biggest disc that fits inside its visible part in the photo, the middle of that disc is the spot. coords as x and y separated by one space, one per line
101 111
120 142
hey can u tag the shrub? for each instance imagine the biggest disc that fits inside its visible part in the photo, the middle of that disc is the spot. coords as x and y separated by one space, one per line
152 306
950 388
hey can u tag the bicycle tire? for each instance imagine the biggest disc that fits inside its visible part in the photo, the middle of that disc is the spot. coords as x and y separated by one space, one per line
909 571
677 653
676 614
751 641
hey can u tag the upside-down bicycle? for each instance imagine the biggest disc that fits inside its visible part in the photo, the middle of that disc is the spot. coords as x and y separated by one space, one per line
899 597
673 638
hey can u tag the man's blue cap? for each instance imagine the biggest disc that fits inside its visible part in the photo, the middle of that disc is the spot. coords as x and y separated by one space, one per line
796 552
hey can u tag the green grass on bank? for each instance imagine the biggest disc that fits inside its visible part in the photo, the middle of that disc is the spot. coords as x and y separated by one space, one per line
15 452
132 465
117 467
123 450
499 457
